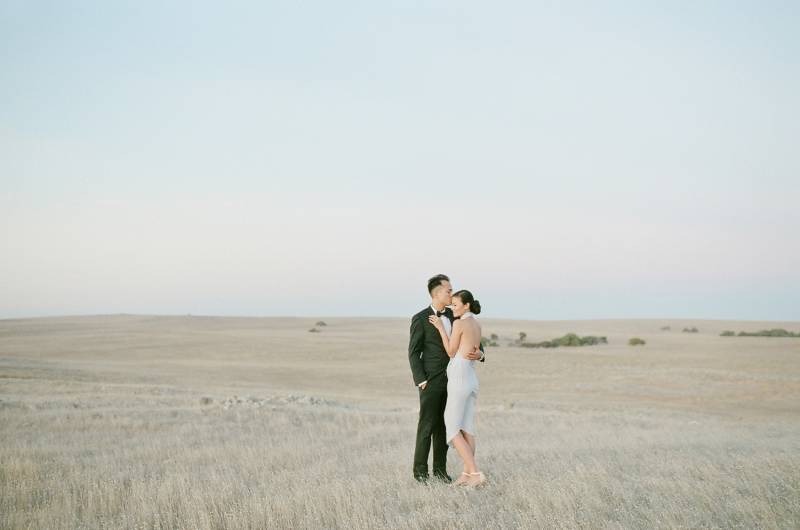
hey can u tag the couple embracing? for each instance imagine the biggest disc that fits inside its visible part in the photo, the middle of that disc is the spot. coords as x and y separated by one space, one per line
444 346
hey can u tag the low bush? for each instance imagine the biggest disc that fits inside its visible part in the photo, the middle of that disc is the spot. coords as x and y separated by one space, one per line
570 339
775 332
488 342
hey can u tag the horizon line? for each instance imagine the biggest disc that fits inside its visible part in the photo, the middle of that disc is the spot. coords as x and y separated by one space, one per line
79 315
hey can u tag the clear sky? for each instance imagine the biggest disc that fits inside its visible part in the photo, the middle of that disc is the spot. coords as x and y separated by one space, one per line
559 159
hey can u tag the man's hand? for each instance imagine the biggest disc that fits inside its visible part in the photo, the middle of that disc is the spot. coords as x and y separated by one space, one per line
423 385
475 354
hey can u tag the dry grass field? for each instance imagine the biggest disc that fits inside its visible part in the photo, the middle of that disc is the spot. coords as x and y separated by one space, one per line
126 421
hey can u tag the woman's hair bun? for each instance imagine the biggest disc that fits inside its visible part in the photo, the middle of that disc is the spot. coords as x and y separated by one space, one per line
475 307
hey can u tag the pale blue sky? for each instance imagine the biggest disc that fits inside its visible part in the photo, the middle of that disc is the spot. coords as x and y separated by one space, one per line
559 159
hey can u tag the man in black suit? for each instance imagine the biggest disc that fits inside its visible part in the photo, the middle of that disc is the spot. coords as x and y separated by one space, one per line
429 360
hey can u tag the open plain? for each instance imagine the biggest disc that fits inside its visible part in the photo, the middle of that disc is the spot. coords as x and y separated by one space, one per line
132 421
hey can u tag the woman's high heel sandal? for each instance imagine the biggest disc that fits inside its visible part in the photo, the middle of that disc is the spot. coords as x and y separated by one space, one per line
460 481
476 480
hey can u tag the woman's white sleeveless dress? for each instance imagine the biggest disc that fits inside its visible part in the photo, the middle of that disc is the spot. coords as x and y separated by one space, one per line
462 392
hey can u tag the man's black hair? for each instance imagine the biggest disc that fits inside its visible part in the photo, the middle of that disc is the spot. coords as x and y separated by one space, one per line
436 281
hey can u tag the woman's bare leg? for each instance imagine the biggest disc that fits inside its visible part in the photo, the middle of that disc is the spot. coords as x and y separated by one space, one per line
465 452
471 441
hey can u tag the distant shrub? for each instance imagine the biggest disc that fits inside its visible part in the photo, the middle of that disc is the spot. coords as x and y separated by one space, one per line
488 342
543 344
522 336
775 332
690 330
320 323
591 340
494 336
570 339
313 330
636 341
665 328
727 333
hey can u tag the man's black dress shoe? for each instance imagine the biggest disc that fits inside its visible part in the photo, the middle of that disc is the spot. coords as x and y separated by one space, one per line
444 477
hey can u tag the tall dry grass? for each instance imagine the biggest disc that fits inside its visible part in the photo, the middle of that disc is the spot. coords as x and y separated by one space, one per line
103 425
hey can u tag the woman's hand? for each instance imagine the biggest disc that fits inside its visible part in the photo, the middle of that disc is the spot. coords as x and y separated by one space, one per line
436 321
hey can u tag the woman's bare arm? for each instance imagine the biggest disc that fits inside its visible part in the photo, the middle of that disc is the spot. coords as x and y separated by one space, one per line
450 343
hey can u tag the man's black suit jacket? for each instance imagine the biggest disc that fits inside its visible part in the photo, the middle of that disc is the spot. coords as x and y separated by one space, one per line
426 352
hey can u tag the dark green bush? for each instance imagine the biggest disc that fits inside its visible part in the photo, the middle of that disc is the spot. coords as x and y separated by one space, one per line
636 341
690 330
570 339
727 333
775 332
543 344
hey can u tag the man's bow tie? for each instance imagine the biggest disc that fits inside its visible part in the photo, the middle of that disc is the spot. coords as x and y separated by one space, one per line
440 313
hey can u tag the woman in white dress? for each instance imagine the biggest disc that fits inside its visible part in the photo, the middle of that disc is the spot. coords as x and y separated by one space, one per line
462 383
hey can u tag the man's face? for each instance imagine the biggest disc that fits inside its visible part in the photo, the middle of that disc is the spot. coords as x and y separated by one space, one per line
443 293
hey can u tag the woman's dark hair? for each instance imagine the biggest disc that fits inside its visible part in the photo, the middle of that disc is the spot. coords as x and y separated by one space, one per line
467 298
436 281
